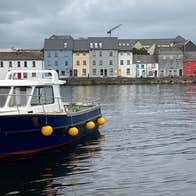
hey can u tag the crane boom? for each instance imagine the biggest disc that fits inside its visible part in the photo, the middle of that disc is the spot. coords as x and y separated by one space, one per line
112 29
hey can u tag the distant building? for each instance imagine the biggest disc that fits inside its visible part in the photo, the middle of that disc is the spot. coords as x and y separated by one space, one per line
125 58
151 44
20 59
145 66
103 56
81 58
58 51
170 61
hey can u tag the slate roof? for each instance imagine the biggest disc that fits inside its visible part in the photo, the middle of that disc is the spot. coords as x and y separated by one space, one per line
189 47
81 45
108 43
20 55
168 51
125 44
156 41
190 56
146 59
57 43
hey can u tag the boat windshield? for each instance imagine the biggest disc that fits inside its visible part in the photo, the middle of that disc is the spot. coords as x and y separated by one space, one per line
4 91
20 96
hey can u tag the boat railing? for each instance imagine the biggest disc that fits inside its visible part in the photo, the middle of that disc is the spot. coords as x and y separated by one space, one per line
21 102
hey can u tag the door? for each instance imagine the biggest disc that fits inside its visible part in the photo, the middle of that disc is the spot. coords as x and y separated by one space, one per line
105 72
75 72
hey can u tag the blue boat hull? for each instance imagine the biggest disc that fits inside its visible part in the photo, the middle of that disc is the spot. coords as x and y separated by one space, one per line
21 134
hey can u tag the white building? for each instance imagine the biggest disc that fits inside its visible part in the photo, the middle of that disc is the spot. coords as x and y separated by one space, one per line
145 66
20 59
125 58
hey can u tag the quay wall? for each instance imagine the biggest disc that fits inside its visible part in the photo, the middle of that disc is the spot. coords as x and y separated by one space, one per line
127 81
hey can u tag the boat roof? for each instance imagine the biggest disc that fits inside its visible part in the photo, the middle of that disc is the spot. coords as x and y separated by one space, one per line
31 78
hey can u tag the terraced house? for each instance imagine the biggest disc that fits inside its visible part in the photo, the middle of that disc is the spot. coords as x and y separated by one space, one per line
125 58
81 58
103 56
145 66
20 59
58 51
170 61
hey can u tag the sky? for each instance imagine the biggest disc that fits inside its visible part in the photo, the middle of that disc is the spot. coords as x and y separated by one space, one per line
26 23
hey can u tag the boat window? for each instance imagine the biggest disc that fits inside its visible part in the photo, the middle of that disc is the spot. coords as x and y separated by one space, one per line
42 95
4 91
20 96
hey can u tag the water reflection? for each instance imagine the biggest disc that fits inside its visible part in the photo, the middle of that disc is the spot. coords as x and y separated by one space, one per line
38 174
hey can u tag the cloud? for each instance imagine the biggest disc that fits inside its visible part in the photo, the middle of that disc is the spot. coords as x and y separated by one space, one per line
26 23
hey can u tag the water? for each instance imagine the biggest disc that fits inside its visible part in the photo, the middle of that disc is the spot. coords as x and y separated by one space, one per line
147 147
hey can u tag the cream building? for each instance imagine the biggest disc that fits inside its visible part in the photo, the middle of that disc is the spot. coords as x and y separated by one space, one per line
81 58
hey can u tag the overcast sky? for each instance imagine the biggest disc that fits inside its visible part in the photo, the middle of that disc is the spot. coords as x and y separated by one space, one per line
26 23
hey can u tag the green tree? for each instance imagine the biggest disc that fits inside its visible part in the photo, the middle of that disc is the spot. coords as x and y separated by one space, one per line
141 51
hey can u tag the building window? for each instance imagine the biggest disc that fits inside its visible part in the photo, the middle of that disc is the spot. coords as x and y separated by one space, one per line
18 63
49 54
25 64
100 62
110 62
77 62
121 62
94 62
34 64
100 53
111 53
62 73
100 45
65 44
128 62
128 71
33 75
91 45
96 45
10 64
66 63
84 62
48 63
137 66
55 54
84 53
56 63
101 72
77 53
84 72
128 53
1 63
111 71
142 66
94 72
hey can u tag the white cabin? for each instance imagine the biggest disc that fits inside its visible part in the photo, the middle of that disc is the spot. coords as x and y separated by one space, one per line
30 91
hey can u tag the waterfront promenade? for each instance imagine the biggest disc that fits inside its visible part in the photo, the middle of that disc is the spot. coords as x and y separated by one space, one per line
75 81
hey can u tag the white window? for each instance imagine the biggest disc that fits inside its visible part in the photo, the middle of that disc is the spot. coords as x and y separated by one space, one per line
84 72
111 71
96 45
100 45
91 45
94 72
65 44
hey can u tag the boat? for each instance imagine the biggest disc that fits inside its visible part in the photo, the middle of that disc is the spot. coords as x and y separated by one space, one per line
34 117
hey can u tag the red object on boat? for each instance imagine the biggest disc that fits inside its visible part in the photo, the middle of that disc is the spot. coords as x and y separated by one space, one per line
19 76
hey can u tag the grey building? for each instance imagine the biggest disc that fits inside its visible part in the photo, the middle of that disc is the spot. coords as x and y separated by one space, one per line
103 53
170 61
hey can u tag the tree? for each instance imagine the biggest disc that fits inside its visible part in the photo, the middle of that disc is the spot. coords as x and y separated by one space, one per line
141 51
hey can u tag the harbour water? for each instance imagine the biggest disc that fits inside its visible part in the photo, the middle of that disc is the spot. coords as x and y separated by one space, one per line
147 147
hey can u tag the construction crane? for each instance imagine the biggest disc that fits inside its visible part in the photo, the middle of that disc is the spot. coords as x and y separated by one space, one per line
112 29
